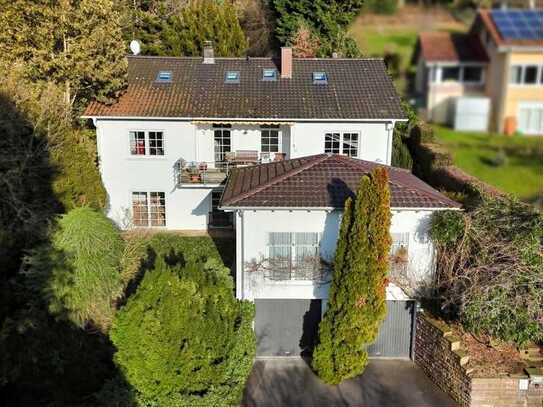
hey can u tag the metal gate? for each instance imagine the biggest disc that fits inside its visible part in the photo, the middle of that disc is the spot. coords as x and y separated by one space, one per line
286 327
396 332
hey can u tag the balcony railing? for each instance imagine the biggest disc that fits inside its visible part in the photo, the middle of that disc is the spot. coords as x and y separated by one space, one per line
215 172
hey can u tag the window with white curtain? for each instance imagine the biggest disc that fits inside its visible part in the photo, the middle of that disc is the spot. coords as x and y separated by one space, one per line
293 255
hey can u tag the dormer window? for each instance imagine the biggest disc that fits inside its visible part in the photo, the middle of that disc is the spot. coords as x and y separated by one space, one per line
320 78
164 76
269 74
231 77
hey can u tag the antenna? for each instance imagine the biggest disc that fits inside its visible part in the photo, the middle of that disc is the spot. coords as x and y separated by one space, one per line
135 47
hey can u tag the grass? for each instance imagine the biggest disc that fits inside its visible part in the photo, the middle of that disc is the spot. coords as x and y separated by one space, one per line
522 172
375 42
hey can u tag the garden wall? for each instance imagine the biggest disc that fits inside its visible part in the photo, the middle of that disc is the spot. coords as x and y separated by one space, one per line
440 355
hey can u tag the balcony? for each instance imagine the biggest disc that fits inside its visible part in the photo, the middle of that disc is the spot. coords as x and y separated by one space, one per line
310 268
215 172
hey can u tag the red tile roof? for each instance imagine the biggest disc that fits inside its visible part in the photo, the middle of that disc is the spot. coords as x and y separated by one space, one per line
451 47
356 89
322 181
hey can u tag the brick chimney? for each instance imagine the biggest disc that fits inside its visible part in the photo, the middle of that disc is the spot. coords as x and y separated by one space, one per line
286 62
209 55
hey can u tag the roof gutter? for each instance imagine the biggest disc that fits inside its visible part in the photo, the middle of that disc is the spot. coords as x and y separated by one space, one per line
520 48
325 208
239 119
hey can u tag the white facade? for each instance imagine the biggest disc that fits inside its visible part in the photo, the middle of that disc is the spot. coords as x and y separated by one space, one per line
253 227
188 206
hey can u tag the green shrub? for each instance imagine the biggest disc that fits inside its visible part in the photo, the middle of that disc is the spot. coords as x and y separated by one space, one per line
357 299
490 268
79 272
183 339
401 157
382 6
77 180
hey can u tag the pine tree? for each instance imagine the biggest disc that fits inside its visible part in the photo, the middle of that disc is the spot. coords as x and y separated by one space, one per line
356 305
186 32
75 43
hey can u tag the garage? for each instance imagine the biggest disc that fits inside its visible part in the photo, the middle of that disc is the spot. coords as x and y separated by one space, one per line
530 118
396 332
289 327
286 327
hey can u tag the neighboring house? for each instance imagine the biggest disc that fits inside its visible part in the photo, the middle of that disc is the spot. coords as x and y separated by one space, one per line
287 217
166 146
490 78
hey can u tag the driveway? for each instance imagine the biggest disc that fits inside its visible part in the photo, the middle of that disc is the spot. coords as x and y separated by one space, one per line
385 383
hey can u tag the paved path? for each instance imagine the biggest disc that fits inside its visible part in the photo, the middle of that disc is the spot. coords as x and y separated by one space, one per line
385 383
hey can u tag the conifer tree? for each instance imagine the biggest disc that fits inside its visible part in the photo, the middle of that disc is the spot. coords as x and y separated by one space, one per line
356 305
74 43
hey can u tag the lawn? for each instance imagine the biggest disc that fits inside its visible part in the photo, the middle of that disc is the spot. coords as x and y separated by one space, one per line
522 172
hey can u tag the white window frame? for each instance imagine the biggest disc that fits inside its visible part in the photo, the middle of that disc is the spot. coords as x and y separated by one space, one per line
149 208
279 139
147 154
437 75
523 66
342 142
292 247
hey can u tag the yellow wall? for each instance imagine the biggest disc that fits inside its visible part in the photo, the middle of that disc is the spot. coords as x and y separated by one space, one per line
523 93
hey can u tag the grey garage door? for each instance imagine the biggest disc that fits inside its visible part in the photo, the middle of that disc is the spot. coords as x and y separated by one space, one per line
395 334
286 327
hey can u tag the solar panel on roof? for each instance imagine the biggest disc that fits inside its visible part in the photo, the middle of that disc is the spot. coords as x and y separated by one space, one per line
519 24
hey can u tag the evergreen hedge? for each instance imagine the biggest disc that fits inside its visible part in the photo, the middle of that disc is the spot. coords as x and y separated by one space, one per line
357 299
183 339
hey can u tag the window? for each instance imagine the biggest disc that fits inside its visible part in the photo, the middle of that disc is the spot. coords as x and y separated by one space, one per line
222 140
149 209
269 139
472 74
450 73
332 143
156 144
164 76
350 144
137 142
337 143
146 143
231 77
530 74
320 78
526 75
269 74
294 255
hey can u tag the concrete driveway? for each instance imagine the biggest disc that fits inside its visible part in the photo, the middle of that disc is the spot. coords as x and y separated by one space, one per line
385 383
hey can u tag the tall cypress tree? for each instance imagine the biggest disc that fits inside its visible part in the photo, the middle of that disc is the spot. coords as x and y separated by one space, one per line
356 305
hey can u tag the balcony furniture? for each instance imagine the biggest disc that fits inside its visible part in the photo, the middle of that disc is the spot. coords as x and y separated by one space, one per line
242 157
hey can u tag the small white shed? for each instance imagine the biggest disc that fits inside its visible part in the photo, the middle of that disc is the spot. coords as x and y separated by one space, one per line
471 113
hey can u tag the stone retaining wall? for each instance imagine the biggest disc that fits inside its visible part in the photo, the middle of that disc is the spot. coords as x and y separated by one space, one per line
441 356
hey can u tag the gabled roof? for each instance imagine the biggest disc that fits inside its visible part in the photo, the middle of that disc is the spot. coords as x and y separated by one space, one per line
356 89
321 181
451 47
484 18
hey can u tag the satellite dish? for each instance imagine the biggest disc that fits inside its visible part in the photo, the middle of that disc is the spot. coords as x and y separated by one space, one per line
135 47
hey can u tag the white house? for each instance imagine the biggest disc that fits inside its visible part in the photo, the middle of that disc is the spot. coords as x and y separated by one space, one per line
287 218
166 146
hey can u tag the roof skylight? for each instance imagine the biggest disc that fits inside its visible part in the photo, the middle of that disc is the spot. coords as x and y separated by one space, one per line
320 78
164 76
269 74
231 77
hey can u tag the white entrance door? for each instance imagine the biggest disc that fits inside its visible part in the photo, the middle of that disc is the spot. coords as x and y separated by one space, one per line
530 118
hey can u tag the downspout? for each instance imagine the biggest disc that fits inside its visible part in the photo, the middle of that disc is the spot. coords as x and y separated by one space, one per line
242 256
503 95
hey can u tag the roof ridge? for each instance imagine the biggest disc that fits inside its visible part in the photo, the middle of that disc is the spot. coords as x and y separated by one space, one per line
312 160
